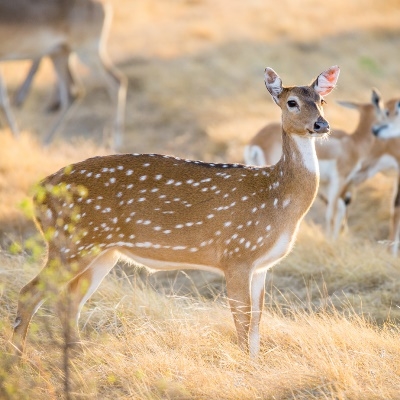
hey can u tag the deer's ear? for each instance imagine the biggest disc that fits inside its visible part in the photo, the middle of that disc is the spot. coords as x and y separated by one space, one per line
273 83
326 81
349 104
376 99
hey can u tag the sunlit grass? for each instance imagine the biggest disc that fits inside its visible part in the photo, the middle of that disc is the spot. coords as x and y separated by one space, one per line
141 344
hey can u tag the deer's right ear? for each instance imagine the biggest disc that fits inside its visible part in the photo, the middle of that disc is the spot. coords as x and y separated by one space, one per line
326 81
273 83
376 98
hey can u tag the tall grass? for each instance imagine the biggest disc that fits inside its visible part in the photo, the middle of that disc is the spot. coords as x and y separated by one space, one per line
141 344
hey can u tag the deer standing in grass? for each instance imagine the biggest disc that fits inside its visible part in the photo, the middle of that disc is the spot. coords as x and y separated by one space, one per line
169 213
34 29
340 158
385 156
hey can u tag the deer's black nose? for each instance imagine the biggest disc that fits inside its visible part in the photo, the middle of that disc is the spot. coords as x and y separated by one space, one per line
321 126
377 128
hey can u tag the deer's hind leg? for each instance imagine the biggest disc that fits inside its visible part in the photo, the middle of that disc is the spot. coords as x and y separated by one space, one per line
46 283
68 283
80 289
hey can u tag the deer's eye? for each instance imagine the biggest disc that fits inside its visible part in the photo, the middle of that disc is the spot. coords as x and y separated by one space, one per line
292 103
398 108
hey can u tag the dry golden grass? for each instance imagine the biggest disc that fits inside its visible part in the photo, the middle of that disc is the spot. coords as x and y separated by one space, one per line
140 344
331 323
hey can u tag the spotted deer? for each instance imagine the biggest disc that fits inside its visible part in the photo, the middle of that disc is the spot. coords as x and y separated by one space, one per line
339 158
385 156
30 30
169 213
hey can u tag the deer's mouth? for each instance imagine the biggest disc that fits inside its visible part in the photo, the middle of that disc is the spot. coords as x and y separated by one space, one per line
319 134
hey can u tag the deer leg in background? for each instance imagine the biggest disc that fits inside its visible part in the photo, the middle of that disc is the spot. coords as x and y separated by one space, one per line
65 79
394 230
23 90
75 90
6 108
116 84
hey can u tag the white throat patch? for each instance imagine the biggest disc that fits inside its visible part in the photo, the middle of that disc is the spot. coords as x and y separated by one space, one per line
306 146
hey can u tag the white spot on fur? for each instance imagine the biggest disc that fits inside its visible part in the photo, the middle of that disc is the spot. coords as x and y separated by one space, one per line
179 248
285 203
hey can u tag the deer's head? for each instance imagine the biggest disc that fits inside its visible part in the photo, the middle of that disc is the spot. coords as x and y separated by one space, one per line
302 111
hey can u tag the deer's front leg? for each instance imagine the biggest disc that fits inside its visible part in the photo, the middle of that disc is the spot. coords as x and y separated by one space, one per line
239 295
394 224
335 209
257 305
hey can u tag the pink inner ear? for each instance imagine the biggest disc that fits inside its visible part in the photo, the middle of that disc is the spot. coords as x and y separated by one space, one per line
331 74
327 81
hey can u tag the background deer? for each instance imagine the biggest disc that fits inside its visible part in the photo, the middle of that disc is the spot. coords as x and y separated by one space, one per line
33 29
169 213
339 158
385 156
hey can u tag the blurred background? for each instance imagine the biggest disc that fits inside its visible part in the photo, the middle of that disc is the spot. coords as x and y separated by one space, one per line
195 69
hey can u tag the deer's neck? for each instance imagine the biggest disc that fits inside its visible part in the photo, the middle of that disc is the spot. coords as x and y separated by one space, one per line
299 167
298 154
362 134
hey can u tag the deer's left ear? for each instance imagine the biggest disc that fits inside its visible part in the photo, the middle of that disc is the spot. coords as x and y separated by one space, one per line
326 81
273 83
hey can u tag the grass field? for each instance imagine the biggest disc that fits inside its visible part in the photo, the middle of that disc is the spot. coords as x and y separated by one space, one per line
331 322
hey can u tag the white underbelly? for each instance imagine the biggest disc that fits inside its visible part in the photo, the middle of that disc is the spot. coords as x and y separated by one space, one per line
156 265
